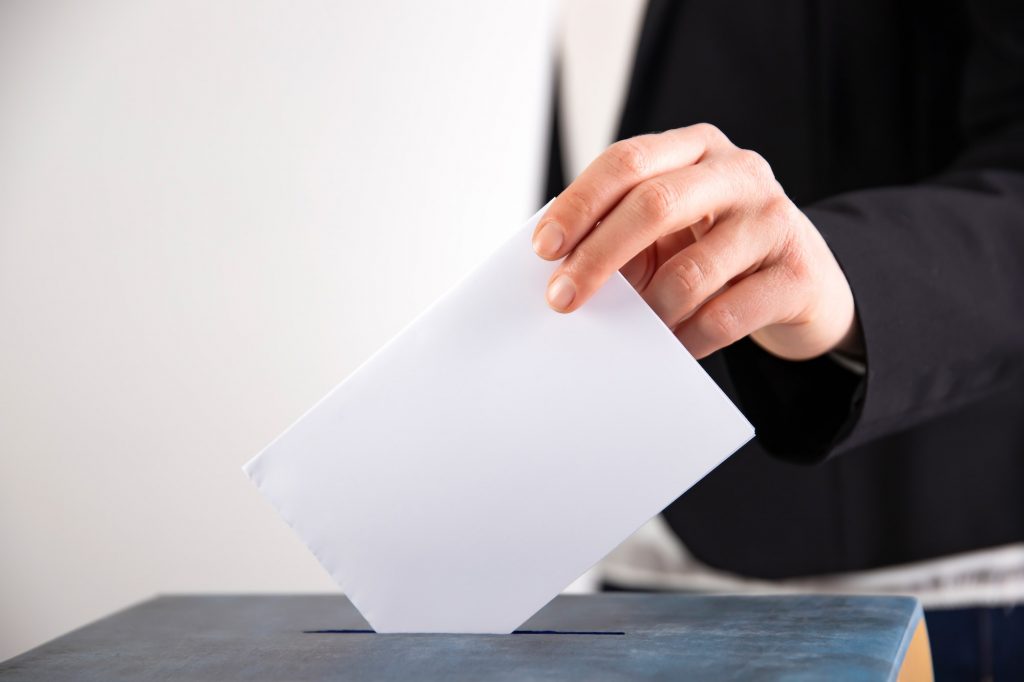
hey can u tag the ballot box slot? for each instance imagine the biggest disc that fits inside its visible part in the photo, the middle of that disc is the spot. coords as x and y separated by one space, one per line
567 632
354 631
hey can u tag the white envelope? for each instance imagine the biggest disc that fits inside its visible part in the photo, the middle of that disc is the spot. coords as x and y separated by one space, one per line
495 450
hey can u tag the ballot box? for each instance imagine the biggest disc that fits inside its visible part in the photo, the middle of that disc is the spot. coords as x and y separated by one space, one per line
617 636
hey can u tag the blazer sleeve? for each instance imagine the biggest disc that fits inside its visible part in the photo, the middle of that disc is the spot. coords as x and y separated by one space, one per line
937 273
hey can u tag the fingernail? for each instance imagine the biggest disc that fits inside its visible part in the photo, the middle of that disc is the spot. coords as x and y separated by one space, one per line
561 292
548 240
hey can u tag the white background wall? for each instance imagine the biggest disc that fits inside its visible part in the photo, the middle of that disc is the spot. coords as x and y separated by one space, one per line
211 212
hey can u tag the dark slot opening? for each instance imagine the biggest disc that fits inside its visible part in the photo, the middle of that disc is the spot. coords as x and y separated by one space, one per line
516 632
567 632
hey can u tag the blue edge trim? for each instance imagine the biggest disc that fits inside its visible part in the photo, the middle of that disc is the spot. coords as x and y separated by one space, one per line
908 636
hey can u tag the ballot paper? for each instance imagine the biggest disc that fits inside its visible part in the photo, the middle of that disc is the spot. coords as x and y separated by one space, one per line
495 450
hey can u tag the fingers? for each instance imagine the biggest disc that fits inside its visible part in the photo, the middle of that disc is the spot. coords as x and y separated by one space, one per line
704 231
691 196
757 301
642 267
699 271
611 176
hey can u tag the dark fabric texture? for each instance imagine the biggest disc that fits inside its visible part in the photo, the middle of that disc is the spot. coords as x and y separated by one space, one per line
898 127
977 644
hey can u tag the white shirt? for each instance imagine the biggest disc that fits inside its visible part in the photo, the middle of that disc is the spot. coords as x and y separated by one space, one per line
598 42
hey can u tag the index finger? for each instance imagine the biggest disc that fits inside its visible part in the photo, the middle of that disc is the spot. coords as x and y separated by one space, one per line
610 177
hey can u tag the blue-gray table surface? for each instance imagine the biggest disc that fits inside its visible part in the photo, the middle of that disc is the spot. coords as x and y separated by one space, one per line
586 637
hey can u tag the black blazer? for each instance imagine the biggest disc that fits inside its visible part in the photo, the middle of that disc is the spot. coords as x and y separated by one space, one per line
898 126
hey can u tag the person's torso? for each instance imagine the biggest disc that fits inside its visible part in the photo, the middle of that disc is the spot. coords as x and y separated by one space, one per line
837 96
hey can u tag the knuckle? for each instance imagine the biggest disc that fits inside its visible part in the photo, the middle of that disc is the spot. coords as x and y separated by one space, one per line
629 157
710 133
585 265
757 174
774 220
578 203
720 323
777 211
689 275
753 163
656 201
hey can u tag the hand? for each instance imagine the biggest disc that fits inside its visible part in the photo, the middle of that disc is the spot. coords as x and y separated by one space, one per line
702 229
